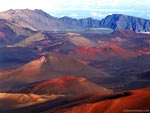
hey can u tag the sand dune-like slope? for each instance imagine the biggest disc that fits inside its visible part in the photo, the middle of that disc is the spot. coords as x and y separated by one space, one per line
9 101
137 101
79 40
66 85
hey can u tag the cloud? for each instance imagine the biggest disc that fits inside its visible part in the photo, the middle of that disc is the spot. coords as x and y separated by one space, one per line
148 15
95 9
95 14
100 7
55 5
73 15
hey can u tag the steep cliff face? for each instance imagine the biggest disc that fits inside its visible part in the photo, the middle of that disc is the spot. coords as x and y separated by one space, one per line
115 22
124 22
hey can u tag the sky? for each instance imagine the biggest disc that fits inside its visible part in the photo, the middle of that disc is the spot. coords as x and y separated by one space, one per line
97 9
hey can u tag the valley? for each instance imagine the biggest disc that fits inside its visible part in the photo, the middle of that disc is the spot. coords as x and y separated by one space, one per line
66 65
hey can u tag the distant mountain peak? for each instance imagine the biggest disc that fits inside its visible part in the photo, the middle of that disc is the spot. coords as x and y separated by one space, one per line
18 11
125 22
47 22
39 11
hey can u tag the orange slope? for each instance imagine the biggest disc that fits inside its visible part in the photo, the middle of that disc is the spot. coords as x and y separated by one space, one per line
104 52
44 68
66 85
138 101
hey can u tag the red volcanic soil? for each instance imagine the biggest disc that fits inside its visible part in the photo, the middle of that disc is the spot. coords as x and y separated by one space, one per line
2 35
45 68
137 101
125 33
88 51
145 50
118 39
66 85
104 52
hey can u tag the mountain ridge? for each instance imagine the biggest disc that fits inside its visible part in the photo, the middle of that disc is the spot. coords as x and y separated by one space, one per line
48 22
